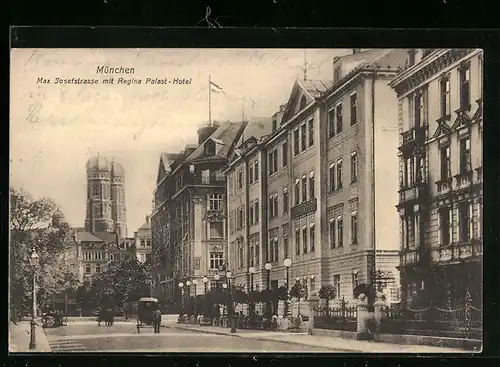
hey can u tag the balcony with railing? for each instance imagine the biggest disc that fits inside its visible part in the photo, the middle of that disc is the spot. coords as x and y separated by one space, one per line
409 257
460 251
464 178
418 191
414 136
304 208
444 185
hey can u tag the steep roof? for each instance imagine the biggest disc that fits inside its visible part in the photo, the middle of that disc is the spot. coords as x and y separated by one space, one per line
257 127
87 237
145 226
106 236
315 88
225 136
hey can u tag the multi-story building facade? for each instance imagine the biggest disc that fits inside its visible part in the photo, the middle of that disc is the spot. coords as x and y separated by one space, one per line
142 241
188 224
327 173
441 195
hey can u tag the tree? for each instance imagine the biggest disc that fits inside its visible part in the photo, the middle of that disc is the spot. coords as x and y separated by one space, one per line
327 292
39 224
127 282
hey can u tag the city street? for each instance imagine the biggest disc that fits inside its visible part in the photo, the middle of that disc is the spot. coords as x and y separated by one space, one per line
87 336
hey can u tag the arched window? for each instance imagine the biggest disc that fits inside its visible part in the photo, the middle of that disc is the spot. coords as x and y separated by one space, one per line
303 103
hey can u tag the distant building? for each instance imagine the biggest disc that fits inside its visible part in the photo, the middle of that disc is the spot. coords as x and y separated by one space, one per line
321 188
142 240
106 211
440 95
189 221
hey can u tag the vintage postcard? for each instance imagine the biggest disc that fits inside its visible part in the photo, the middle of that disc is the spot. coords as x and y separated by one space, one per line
304 200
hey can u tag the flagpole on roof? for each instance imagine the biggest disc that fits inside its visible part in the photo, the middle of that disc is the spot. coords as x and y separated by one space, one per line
209 102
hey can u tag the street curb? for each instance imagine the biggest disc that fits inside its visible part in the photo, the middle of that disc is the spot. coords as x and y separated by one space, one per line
268 340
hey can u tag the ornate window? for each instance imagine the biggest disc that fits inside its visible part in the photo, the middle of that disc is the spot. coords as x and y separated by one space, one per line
284 154
445 96
303 137
332 232
304 240
331 123
445 163
311 185
311 132
354 167
216 230
338 113
88 269
216 259
312 237
339 174
465 155
464 77
354 108
215 202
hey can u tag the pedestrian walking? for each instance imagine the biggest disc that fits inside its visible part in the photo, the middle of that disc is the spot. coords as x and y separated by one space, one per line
156 321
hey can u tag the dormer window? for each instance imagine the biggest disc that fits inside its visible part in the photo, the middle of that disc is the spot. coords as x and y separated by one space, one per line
275 125
210 147
303 103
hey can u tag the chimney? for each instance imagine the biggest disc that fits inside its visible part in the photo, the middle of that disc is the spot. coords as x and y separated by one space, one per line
147 218
205 132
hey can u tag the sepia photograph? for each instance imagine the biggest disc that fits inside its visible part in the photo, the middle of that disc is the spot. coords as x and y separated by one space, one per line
196 200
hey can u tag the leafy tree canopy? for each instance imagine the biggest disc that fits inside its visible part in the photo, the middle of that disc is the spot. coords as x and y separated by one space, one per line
39 224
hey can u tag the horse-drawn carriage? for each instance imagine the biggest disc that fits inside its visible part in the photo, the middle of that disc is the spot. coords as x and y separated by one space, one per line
146 308
54 319
106 315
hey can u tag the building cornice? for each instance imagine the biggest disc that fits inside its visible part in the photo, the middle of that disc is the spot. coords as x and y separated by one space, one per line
422 71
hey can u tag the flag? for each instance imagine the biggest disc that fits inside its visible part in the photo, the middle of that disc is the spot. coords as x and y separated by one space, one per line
215 88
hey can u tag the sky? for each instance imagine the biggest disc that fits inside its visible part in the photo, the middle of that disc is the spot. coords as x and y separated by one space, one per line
55 128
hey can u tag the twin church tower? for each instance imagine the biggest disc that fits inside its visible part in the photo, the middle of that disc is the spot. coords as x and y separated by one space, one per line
106 211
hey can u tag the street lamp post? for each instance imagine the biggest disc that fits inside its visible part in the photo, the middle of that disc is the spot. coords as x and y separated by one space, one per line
231 303
205 282
251 270
268 268
33 263
181 287
188 293
194 284
216 278
287 262
297 279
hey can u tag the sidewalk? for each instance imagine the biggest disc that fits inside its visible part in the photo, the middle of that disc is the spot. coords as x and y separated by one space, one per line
336 344
19 338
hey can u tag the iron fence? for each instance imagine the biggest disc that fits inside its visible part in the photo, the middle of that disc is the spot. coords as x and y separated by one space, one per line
336 318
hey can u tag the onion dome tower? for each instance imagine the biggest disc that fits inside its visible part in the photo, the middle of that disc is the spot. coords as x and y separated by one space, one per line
118 207
98 217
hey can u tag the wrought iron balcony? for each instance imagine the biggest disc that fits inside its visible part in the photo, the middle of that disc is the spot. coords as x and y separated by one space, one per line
304 208
417 192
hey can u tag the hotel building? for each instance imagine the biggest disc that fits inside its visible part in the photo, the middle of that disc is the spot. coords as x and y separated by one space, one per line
325 190
440 178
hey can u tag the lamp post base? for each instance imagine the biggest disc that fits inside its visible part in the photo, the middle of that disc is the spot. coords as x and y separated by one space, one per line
32 336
